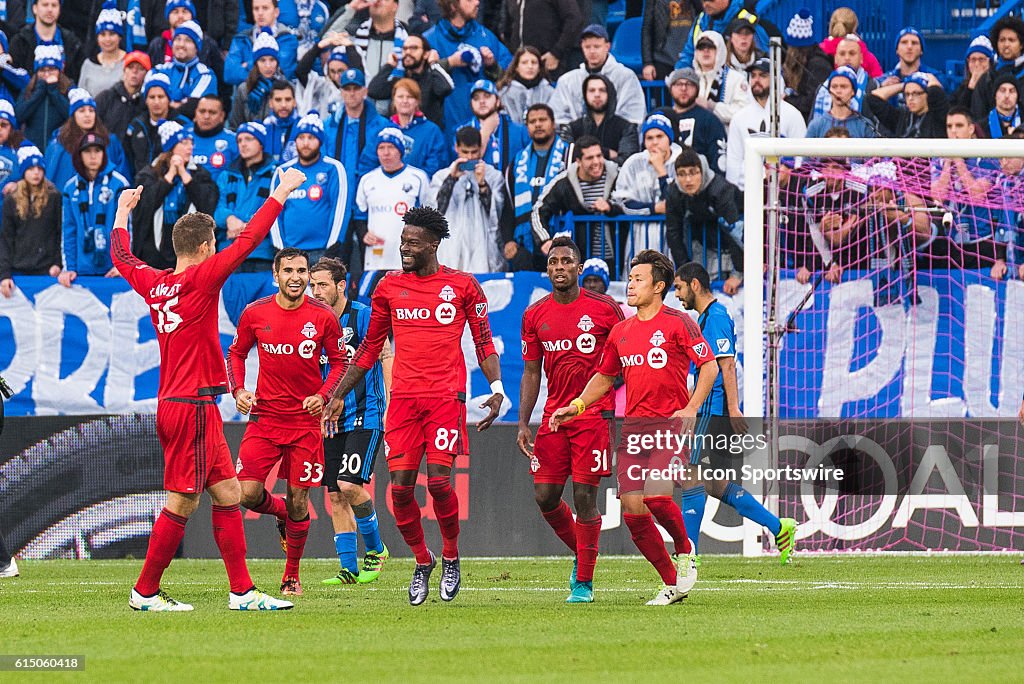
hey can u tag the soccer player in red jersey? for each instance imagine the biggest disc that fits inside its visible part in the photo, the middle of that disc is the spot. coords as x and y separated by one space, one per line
289 330
426 307
652 351
566 330
184 306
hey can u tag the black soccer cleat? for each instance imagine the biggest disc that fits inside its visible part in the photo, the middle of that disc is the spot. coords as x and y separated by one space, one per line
451 578
419 587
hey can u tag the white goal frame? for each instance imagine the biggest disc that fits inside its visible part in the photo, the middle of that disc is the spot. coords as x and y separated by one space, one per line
756 216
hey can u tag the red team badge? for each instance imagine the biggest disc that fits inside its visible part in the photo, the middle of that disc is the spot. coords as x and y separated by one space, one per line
217 160
401 208
315 193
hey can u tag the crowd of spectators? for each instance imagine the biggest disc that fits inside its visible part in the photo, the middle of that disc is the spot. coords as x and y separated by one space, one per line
508 116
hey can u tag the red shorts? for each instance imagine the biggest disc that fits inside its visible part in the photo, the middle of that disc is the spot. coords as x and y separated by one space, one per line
196 454
648 459
581 447
300 451
418 425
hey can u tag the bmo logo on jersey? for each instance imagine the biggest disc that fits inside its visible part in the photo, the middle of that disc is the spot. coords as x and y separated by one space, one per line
657 357
445 313
306 348
412 314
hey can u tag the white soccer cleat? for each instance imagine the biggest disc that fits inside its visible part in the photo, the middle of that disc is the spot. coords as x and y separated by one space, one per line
254 599
160 603
11 570
666 596
686 571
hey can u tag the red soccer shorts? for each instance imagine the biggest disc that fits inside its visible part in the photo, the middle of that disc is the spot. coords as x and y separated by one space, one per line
418 425
196 455
581 447
650 458
300 451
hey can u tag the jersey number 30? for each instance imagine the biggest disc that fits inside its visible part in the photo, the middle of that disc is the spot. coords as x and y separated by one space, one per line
166 319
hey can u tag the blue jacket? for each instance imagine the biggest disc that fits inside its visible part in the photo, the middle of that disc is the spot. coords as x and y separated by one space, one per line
12 81
446 39
214 152
41 113
507 141
241 198
708 23
190 80
8 165
240 62
88 210
314 214
59 166
281 137
426 148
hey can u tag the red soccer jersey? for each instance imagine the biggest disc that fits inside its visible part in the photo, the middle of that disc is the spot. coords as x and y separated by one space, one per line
184 307
654 358
427 317
569 338
288 342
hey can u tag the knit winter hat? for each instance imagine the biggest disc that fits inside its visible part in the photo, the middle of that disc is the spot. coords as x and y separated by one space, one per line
7 112
78 98
29 156
192 31
174 4
844 72
910 31
311 124
658 122
171 133
800 32
918 77
338 54
393 136
255 129
265 45
49 56
155 79
110 18
980 44
595 267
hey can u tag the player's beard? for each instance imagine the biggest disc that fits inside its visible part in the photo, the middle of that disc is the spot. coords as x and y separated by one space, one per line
287 294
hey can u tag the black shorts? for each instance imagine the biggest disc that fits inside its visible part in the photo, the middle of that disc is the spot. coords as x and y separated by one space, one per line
710 445
350 457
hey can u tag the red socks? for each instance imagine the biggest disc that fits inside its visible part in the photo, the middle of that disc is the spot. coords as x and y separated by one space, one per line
164 540
407 518
648 541
295 533
587 534
670 516
229 534
561 522
272 505
446 508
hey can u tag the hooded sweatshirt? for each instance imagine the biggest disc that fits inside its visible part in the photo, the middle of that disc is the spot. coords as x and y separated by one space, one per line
614 132
568 105
726 87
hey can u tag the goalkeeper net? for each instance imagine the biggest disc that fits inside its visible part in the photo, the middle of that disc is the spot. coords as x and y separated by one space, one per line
888 341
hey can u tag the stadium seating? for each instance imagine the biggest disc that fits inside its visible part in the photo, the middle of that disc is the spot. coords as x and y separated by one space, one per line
626 44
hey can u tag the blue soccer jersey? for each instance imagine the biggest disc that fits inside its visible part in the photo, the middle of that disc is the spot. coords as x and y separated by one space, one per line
718 329
366 403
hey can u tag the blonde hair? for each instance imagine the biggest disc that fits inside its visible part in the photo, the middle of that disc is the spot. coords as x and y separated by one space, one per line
843 22
30 201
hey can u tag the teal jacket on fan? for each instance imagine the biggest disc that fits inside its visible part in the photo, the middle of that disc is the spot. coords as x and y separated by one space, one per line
242 193
88 218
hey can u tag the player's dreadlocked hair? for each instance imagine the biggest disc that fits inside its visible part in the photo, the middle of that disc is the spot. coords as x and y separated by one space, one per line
428 219
334 268
566 241
661 267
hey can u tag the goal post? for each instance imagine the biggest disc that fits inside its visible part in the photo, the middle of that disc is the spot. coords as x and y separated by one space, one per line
763 330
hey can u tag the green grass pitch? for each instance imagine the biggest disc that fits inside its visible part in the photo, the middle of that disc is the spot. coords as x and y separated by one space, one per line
827 619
